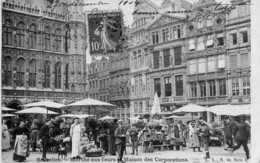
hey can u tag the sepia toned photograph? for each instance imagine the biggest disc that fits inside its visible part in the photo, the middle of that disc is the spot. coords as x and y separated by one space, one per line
118 81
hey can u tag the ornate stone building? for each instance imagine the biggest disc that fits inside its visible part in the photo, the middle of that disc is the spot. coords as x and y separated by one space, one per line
120 81
140 59
239 52
206 56
43 52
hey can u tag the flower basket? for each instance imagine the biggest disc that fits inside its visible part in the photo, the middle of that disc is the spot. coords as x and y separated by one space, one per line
94 154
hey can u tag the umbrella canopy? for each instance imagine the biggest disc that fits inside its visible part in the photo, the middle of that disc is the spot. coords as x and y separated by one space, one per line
75 115
3 108
8 115
156 109
172 117
48 104
107 118
87 104
36 110
191 108
231 110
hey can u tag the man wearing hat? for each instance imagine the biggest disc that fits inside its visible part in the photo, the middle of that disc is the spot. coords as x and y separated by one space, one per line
133 133
120 135
205 136
241 133
228 127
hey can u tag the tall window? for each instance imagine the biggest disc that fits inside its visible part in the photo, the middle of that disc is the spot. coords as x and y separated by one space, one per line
146 59
135 107
157 86
166 57
139 61
201 45
32 73
156 60
211 64
212 88
209 21
244 60
58 75
155 37
32 36
147 110
7 71
140 84
203 92
140 107
177 56
200 23
135 62
168 86
165 34
47 38
47 74
233 62
58 40
221 61
73 90
222 87
246 85
220 39
191 45
67 77
179 85
210 42
136 84
20 75
235 86
8 32
175 32
233 39
244 36
21 34
147 83
193 89
201 63
193 67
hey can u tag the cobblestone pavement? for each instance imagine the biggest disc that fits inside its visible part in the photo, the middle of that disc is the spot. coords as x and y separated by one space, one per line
218 155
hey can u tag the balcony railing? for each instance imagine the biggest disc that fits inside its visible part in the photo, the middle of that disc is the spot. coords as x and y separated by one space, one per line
42 94
33 11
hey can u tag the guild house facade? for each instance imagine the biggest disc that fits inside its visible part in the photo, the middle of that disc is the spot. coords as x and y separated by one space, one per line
43 52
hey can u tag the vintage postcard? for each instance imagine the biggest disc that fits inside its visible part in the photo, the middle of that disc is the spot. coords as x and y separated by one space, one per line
121 81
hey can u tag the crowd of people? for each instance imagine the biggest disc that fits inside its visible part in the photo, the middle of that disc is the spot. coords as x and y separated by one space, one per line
25 136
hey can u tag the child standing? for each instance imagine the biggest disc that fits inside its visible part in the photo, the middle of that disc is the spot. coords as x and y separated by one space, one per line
133 133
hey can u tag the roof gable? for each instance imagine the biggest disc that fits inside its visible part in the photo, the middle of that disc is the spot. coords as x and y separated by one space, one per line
162 20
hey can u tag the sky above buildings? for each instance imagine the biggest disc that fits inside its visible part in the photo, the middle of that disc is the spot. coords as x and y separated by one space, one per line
128 9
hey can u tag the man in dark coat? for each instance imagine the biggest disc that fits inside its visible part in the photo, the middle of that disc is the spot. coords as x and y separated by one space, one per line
120 135
241 133
205 136
112 138
44 136
228 128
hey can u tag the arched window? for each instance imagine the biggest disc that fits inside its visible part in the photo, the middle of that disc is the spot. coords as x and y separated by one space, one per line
200 23
21 34
58 40
47 38
73 89
67 76
32 36
47 74
209 21
8 31
32 73
57 74
20 68
79 66
7 71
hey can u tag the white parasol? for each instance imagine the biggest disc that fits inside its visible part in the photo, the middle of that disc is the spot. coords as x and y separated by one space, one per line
36 110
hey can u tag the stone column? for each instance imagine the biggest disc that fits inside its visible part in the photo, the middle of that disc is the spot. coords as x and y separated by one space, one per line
125 108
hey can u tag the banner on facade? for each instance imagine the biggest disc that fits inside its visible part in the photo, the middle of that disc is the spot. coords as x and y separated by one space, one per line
105 32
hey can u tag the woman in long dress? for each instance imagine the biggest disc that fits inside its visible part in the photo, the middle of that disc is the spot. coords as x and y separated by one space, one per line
5 136
107 43
21 146
75 133
194 139
34 130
